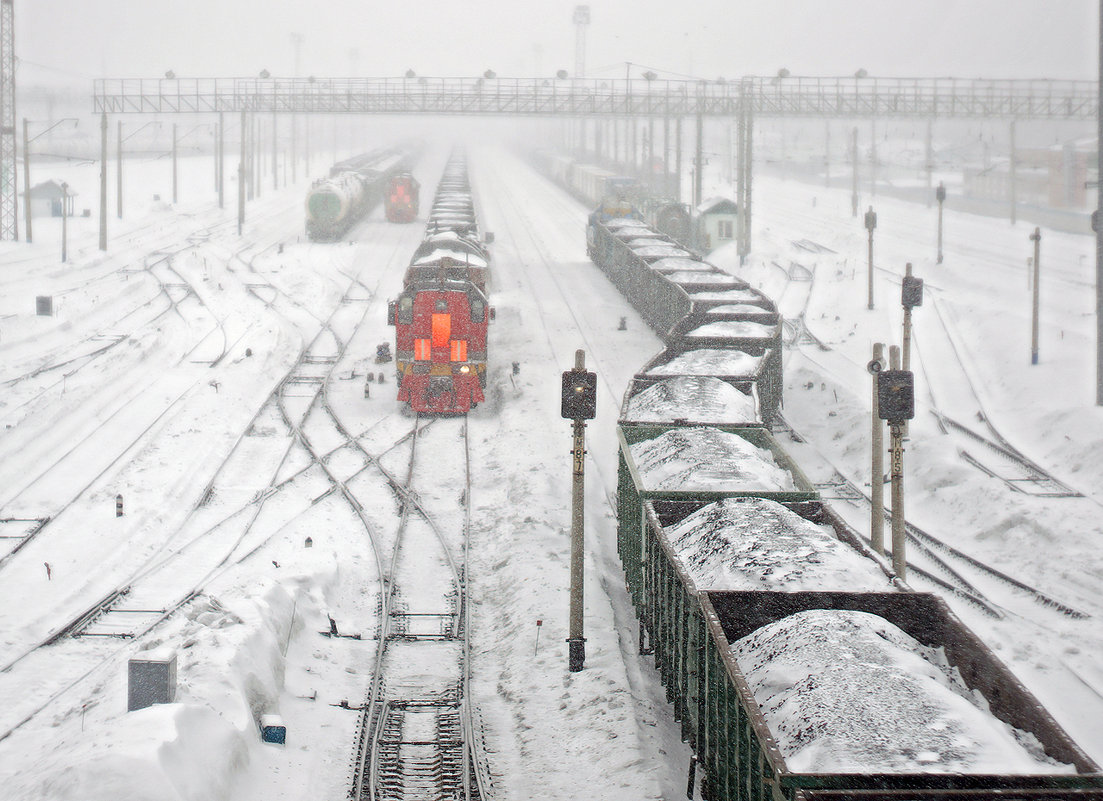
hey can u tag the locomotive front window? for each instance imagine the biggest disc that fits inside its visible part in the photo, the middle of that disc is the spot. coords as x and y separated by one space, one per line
406 310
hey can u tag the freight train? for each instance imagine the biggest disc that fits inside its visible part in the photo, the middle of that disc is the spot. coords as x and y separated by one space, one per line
594 185
442 317
352 189
799 666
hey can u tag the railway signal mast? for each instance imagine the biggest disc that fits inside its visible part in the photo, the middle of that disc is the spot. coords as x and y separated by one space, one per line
579 403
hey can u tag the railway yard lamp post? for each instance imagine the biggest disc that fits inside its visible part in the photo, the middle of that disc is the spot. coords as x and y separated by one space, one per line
1036 238
579 404
896 404
27 166
940 196
871 223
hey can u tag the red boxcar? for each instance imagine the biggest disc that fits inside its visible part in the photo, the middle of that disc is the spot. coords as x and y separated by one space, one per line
401 198
440 345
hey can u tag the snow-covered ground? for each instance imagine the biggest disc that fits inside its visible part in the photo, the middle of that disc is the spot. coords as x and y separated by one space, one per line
155 380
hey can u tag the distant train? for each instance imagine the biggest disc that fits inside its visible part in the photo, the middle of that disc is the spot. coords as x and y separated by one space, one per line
442 317
351 190
400 198
594 185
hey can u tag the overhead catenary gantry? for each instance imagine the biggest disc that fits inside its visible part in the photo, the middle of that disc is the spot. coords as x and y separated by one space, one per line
629 98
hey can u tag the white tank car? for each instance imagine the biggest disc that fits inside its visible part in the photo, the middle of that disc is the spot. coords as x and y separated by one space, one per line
332 205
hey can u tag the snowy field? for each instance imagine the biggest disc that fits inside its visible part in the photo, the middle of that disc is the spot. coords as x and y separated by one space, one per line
154 380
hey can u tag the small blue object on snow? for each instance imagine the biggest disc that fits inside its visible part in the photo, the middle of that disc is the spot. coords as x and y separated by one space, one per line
272 729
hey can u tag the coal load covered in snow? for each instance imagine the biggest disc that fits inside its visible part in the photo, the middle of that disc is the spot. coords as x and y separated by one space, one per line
733 329
707 458
697 399
759 544
710 361
849 692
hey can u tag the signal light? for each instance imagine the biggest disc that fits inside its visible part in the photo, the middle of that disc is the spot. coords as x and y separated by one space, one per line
579 395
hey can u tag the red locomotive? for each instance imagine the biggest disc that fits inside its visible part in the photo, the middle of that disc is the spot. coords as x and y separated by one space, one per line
441 317
401 198
440 344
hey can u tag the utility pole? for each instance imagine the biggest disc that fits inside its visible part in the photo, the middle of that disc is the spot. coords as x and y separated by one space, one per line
241 180
1012 169
699 160
103 181
678 158
940 195
9 194
221 159
1036 238
873 158
1098 228
174 173
854 162
26 181
579 404
877 461
871 223
64 219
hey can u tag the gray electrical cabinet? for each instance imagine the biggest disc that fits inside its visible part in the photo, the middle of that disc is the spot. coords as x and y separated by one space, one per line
151 679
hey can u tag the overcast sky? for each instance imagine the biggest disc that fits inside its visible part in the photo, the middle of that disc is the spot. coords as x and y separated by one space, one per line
77 40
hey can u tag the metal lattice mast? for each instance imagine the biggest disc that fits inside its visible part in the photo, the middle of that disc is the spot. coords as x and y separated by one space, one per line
9 215
581 20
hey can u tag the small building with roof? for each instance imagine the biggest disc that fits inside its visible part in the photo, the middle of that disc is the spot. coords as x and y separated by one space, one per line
49 199
716 222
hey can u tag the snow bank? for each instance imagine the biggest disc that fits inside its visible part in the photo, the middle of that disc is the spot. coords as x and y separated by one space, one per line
699 399
758 544
710 361
743 329
708 459
849 692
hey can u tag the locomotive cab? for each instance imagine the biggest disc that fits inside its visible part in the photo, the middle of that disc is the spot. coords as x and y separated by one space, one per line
440 337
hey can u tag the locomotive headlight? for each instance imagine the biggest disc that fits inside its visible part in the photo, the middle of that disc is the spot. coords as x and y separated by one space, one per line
465 369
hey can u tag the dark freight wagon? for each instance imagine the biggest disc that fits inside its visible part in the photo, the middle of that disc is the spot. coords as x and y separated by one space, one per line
633 489
737 747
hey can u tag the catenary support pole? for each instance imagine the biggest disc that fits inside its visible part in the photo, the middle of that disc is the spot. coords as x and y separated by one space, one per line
930 159
699 161
241 178
907 338
1035 237
678 160
221 159
174 171
103 181
1098 226
26 182
1012 170
854 163
877 461
119 169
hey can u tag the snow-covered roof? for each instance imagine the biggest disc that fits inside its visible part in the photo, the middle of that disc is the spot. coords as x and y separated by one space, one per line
718 205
